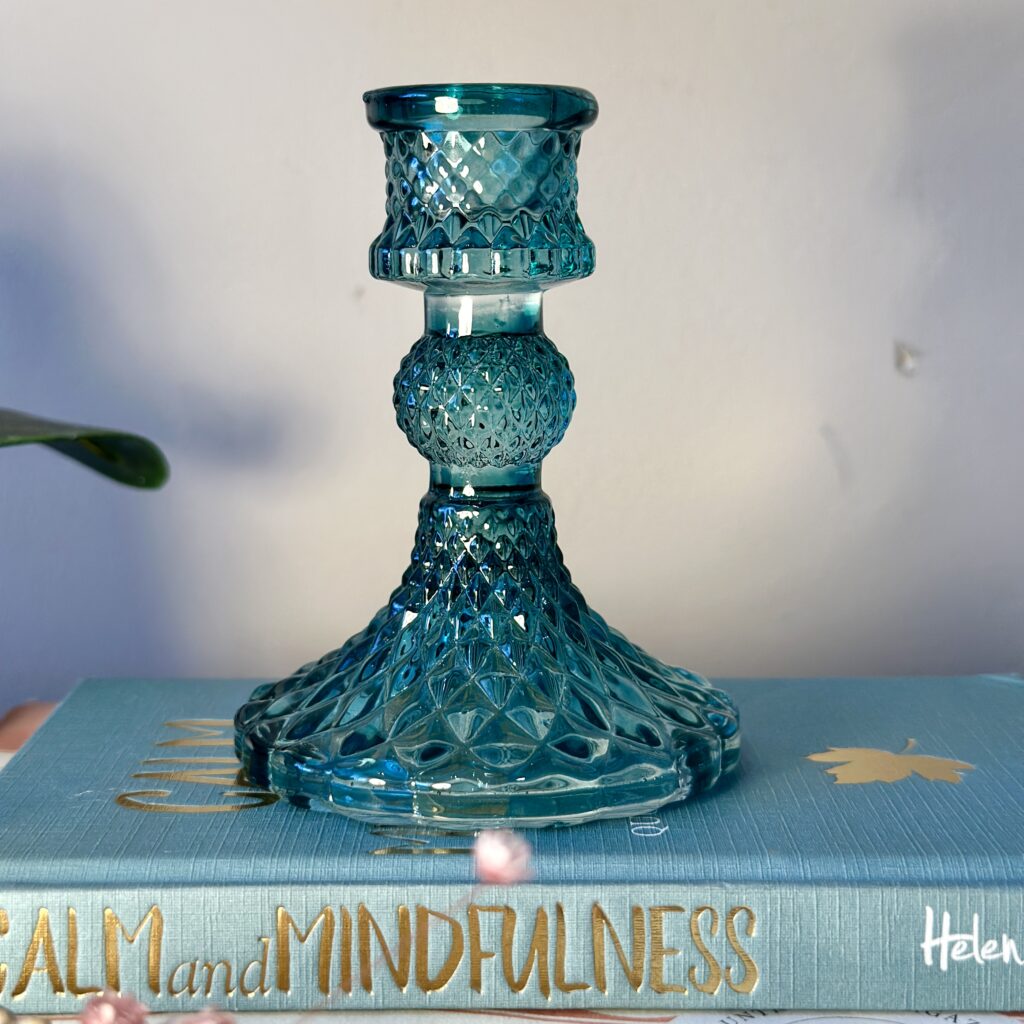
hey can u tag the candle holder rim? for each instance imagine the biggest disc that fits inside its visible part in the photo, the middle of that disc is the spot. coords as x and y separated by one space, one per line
480 106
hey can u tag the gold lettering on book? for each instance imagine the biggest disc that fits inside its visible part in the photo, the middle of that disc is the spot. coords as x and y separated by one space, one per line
477 954
540 947
226 776
456 944
5 925
713 982
634 970
418 841
365 921
73 987
560 983
205 732
190 984
536 954
346 949
750 972
202 977
659 951
285 926
112 953
143 800
209 968
41 942
262 963
237 793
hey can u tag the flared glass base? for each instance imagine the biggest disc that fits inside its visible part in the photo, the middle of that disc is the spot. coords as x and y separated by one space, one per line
487 692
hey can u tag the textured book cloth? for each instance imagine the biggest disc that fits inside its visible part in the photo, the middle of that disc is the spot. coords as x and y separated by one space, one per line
619 1017
869 853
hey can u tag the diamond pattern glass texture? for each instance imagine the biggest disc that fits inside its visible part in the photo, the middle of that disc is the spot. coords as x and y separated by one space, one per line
486 691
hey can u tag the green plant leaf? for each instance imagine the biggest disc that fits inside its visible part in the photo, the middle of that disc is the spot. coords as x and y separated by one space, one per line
126 458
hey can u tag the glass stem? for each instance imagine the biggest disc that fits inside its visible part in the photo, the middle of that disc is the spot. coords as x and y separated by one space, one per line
465 314
457 315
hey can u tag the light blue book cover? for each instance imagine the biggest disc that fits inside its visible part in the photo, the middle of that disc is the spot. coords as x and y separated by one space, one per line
869 854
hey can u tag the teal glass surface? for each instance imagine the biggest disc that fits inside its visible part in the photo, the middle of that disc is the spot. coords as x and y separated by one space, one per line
486 691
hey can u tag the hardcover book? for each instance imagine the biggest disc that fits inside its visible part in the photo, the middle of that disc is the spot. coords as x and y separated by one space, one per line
869 853
622 1017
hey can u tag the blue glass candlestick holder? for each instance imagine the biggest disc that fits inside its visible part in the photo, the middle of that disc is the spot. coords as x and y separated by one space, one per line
486 691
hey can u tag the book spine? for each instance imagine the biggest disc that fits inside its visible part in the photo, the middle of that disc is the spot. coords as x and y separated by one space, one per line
669 947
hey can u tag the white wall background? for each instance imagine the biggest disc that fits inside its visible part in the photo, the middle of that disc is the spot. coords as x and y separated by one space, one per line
780 193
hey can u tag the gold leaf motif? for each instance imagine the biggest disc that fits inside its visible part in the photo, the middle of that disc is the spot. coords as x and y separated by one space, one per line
857 765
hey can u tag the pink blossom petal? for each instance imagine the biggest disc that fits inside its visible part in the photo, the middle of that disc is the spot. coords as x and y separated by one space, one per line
211 1015
111 1008
502 857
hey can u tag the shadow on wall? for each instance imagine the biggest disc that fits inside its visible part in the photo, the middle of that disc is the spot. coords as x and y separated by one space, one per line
963 80
86 334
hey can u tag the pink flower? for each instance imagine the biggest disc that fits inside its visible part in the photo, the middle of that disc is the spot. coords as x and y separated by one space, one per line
211 1015
111 1008
502 857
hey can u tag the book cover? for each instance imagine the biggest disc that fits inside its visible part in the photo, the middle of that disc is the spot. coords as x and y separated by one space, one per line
622 1017
868 854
